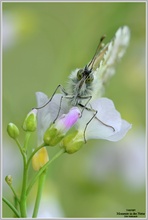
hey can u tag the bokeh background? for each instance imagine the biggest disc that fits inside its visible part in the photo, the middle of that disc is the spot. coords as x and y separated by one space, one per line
42 43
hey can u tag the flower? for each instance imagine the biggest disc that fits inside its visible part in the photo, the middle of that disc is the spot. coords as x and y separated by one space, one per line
106 124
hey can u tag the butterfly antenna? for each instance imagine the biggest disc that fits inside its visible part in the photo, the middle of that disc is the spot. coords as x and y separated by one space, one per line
99 47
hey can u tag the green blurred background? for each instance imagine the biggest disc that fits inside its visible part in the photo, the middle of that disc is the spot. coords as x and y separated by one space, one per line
42 43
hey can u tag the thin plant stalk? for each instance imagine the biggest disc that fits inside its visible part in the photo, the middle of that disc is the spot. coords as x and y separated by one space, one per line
39 193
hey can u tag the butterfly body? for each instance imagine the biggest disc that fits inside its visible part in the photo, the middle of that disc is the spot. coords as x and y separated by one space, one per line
81 86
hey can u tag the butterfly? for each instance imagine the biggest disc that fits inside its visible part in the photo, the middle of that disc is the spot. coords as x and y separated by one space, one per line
87 84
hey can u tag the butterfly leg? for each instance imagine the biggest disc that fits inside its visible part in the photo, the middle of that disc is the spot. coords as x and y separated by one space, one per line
89 122
62 89
84 106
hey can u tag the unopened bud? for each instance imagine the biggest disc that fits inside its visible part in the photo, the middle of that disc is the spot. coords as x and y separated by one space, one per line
52 136
30 122
72 142
8 179
40 159
12 130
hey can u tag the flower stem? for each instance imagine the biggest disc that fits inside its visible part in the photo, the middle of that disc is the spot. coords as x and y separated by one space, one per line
16 203
20 147
39 193
15 195
27 139
23 206
11 207
23 194
43 168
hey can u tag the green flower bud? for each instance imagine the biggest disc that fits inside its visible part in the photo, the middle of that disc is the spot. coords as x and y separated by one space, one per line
72 142
30 122
12 130
9 180
52 136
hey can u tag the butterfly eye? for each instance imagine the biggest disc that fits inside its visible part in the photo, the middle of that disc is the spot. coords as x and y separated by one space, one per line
89 79
80 74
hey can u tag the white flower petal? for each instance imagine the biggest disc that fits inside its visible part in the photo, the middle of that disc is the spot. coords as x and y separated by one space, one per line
107 112
125 126
107 124
97 130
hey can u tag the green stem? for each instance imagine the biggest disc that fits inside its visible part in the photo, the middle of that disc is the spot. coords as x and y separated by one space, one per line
24 186
20 147
43 168
39 193
14 193
16 203
27 139
11 207
23 205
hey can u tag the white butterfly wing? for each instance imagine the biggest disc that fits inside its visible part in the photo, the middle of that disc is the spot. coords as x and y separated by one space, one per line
114 51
